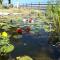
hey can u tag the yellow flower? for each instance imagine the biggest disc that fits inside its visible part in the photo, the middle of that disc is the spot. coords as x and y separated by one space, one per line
4 34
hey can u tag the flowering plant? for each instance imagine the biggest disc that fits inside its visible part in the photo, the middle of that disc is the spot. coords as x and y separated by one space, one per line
5 46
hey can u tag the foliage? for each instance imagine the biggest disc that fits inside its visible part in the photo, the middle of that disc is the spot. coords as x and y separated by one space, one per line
53 16
7 48
1 1
5 45
24 58
8 25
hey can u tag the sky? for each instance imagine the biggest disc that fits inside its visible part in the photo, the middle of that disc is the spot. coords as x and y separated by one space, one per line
24 1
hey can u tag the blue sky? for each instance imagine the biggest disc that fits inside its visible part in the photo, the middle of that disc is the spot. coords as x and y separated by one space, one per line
24 1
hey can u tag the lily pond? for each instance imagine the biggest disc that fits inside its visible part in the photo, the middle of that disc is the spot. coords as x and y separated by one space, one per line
27 39
29 33
22 38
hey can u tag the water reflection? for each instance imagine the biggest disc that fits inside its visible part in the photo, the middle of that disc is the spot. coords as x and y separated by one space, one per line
31 44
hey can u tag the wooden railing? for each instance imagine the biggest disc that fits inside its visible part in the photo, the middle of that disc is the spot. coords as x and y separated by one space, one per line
36 6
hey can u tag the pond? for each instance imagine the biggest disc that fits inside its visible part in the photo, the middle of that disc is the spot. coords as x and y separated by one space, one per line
30 44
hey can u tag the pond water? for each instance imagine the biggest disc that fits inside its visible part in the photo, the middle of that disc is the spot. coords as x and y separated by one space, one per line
31 44
35 45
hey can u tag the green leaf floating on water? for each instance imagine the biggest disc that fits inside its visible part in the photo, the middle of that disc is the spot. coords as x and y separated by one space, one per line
24 58
20 19
3 42
7 48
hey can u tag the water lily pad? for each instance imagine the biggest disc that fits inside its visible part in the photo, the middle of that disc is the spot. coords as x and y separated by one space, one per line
20 19
24 58
3 42
7 48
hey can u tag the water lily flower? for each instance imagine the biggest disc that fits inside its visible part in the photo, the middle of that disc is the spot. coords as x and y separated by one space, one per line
30 20
24 20
4 34
19 31
28 29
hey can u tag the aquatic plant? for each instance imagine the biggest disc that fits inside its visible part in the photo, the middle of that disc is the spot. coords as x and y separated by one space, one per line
19 31
53 17
24 58
30 20
5 45
27 29
7 48
4 34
